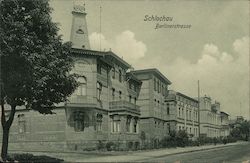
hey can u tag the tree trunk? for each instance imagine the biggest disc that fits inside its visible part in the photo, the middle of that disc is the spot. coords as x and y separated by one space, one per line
5 143
6 128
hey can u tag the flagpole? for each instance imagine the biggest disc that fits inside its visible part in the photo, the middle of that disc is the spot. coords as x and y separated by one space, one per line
199 130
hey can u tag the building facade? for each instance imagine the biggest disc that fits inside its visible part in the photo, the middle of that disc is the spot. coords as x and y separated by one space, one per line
154 111
225 129
210 117
103 108
184 113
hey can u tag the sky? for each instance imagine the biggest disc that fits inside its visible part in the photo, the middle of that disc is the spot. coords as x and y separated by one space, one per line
214 50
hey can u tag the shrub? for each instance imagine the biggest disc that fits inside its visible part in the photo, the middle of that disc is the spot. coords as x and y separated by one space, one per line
100 145
137 145
130 145
24 158
182 138
110 146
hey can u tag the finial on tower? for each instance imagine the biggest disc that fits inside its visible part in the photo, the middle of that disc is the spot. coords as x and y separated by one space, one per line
79 8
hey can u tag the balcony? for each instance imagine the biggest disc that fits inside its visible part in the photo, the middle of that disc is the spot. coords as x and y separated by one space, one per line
123 105
84 101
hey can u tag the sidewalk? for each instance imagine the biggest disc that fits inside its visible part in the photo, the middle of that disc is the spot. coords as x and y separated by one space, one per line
141 155
130 156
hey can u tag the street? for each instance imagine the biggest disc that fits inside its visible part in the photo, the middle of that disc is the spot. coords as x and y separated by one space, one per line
234 152
237 153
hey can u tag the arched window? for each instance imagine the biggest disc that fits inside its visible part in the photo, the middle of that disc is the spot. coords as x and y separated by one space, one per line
82 88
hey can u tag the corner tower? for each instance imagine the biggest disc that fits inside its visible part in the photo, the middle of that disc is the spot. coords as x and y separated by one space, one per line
79 32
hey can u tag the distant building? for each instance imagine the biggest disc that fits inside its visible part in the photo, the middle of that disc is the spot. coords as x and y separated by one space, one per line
184 113
210 117
155 113
225 130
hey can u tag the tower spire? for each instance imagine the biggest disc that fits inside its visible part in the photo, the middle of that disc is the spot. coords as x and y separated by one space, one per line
79 30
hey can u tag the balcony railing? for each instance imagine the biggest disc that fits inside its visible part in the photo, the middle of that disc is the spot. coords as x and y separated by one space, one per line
122 104
84 101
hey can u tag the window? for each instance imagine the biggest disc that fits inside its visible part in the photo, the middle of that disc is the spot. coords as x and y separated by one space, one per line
130 98
168 125
130 85
21 123
179 112
135 88
155 84
135 100
115 124
158 86
82 88
162 90
135 125
120 75
99 90
113 93
190 115
99 122
120 95
80 121
186 114
99 69
113 73
168 110
128 123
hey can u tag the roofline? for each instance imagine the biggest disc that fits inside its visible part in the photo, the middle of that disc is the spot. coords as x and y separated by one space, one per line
134 77
110 53
87 51
224 113
100 54
152 70
190 98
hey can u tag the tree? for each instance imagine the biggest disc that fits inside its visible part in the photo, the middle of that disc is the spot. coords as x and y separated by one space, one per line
241 130
245 129
35 64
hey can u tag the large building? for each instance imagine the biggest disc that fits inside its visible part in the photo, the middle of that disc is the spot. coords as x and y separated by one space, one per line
184 113
225 129
103 108
211 118
154 111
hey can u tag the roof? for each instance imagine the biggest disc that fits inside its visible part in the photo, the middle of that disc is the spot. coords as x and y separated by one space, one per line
153 71
190 98
109 55
222 112
173 93
132 76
